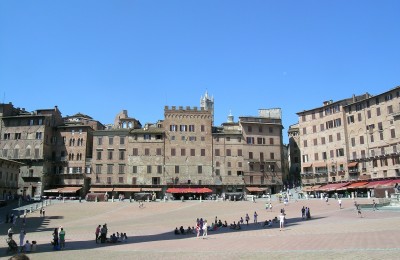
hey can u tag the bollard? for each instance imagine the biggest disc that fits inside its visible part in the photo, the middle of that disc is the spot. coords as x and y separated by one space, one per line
95 200
31 209
130 198
63 200
25 212
112 199
80 199
201 198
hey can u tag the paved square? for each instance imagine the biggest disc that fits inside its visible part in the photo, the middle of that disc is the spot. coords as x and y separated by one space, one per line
332 233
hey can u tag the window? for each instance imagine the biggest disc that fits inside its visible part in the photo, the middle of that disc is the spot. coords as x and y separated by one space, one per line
217 152
270 130
173 152
240 164
228 139
134 169
135 152
202 128
250 155
260 140
339 152
122 155
122 140
249 129
272 156
324 157
147 137
250 140
17 136
176 169
155 180
359 117
203 152
192 138
271 141
313 115
158 151
315 141
146 151
173 128
393 133
371 138
98 168
100 141
331 153
369 113
109 180
330 138
121 168
120 179
109 168
191 128
316 156
304 143
378 111
322 140
338 137
110 140
192 152
350 119
228 152
148 168
304 131
361 139
229 173
110 154
38 135
183 152
159 169
353 142
314 128
199 169
239 152
183 128
217 172
98 157
321 127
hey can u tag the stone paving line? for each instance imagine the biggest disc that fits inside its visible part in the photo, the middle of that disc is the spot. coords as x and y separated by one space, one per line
332 233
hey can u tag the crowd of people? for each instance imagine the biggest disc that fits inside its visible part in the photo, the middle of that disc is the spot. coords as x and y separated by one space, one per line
101 235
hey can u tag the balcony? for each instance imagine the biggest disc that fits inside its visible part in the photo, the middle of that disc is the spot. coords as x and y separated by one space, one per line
341 172
30 177
332 173
354 171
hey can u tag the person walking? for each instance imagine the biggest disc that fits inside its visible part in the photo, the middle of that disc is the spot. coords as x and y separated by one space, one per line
62 238
340 203
247 218
270 206
22 238
205 229
198 229
255 217
281 221
97 233
303 212
374 205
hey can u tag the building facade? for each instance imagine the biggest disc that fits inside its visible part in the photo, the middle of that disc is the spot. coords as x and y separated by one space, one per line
350 140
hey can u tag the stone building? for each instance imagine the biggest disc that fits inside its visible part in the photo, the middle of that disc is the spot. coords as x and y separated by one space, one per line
30 138
9 171
353 139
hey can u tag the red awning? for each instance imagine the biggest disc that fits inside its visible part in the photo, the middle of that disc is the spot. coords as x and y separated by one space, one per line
355 185
255 189
306 165
319 165
352 164
189 190
70 189
374 184
333 186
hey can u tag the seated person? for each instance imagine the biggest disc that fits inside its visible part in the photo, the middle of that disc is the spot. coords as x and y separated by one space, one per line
193 230
27 246
182 230
125 237
225 224
188 230
176 231
233 226
33 246
238 226
275 220
267 223
113 238
220 223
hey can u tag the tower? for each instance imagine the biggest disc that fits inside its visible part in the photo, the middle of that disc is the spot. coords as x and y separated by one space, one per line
207 103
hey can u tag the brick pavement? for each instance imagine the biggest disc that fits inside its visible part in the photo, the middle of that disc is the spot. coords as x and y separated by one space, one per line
332 233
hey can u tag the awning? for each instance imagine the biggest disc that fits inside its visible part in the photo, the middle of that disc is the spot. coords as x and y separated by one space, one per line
70 189
333 186
374 184
52 190
151 189
127 189
189 190
352 164
255 189
319 164
306 165
355 185
315 187
101 189
307 188
392 183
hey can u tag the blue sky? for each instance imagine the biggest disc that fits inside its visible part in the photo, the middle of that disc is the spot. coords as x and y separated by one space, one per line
100 57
